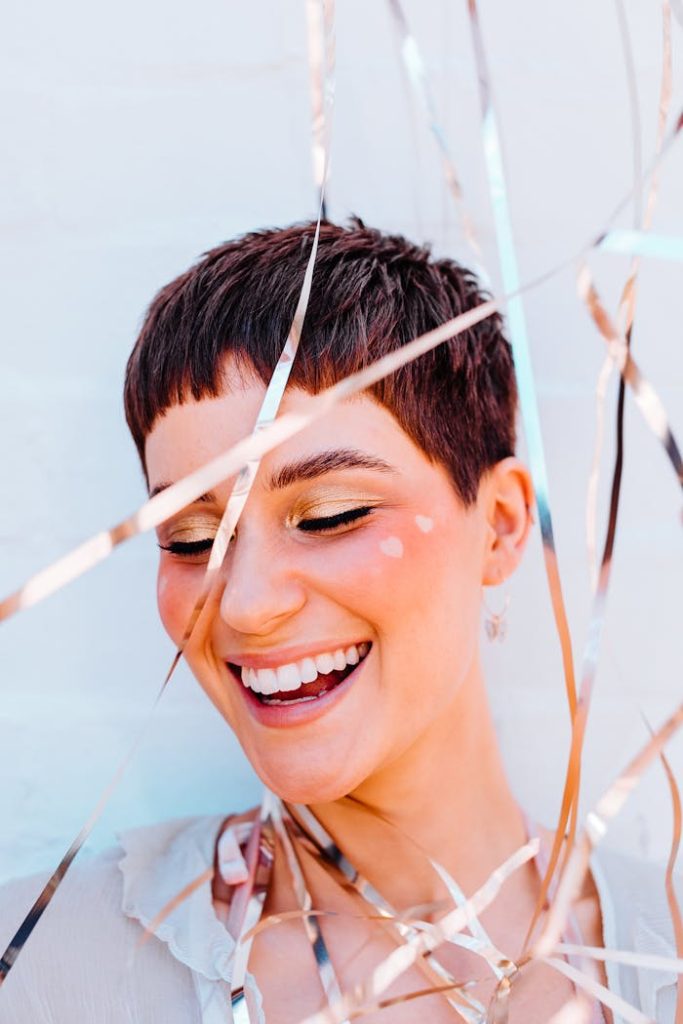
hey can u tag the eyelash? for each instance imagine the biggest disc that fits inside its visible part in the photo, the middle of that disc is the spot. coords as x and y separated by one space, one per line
352 515
188 547
321 525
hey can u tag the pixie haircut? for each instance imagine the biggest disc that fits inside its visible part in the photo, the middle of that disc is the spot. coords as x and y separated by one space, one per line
372 292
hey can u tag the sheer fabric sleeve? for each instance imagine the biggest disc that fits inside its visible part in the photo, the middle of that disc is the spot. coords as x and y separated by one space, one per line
84 963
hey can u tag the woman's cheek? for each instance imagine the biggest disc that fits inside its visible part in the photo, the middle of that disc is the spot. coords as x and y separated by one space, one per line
178 587
366 565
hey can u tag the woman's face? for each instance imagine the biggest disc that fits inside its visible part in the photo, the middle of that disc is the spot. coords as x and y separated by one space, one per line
347 615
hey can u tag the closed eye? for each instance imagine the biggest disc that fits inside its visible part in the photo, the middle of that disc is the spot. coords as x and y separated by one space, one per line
326 523
188 547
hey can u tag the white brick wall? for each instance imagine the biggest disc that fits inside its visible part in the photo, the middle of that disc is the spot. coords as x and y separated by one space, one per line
136 136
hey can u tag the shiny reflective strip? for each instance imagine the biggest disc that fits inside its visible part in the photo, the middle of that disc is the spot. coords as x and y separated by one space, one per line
478 942
248 898
469 1008
646 398
164 505
103 545
326 973
671 895
520 347
595 828
425 942
280 377
321 60
643 243
594 476
626 1011
42 902
649 961
419 81
627 301
525 381
501 965
655 415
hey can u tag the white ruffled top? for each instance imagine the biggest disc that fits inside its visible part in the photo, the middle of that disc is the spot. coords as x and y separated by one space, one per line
85 963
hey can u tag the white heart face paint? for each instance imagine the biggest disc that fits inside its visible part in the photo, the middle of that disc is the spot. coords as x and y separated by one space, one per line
424 523
392 547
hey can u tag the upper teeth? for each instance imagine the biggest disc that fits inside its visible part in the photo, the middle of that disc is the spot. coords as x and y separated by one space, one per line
295 674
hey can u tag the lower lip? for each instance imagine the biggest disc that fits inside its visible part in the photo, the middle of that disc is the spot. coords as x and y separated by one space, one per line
282 716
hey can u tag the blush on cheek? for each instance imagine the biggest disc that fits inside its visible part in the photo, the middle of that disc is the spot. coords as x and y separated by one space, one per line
175 600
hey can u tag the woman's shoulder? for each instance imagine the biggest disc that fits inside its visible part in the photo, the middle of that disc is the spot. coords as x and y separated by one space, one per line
85 954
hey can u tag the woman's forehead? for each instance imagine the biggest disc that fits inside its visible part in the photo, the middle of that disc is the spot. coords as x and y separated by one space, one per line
359 432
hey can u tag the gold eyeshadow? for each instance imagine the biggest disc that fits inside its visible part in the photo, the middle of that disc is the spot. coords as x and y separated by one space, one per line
189 529
330 502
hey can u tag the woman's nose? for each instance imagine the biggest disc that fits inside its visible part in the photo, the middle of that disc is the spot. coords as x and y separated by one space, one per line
260 591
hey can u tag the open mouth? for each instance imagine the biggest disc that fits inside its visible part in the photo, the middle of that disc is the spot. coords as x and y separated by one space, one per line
301 681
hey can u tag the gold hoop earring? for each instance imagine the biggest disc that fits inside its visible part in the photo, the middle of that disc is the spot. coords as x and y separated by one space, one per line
495 623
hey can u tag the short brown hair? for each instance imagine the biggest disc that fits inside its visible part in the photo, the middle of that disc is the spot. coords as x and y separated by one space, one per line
371 293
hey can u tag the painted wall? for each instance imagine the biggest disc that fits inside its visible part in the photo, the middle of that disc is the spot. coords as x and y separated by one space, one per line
136 136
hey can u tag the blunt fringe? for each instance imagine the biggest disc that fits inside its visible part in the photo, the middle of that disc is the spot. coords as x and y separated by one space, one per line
372 292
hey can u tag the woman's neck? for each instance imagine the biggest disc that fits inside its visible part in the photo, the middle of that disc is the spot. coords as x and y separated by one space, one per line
446 798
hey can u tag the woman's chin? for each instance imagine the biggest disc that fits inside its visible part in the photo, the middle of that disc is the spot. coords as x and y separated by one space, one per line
307 787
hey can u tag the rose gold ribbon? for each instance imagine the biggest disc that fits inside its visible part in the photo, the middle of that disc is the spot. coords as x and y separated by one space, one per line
596 825
671 896
366 994
321 62
419 81
520 347
102 545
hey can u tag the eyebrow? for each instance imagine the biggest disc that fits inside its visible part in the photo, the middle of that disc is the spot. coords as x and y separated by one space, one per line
326 462
309 468
209 497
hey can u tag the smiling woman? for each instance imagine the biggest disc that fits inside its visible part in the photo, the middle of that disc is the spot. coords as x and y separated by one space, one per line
341 646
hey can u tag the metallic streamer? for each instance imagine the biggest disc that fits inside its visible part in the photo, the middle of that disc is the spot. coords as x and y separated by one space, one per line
425 942
479 942
623 956
520 347
646 398
672 898
326 973
419 81
626 309
104 543
595 827
626 1011
655 415
470 1009
23 932
642 243
321 60
168 502
246 905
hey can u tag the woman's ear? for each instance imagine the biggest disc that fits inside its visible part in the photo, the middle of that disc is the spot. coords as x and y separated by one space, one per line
509 496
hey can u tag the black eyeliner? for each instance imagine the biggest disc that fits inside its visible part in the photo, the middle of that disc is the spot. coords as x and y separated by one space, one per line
188 547
330 522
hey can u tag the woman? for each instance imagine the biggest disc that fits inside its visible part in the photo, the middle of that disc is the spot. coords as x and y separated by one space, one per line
342 649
